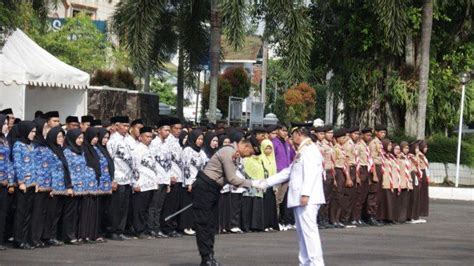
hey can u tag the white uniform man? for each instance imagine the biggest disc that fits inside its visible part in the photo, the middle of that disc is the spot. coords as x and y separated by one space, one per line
124 165
305 194
144 184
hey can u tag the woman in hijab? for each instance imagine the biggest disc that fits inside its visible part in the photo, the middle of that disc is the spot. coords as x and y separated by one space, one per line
82 176
107 170
88 208
413 212
269 200
43 188
211 143
386 201
24 166
193 159
225 203
224 140
6 176
61 204
425 178
183 139
252 202
236 197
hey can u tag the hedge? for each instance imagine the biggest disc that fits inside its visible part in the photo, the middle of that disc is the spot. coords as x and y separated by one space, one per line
442 149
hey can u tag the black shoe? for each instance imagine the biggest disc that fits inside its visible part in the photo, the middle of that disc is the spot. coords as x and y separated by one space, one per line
337 225
175 234
115 237
24 246
361 223
211 257
209 261
39 244
374 222
54 243
89 241
3 248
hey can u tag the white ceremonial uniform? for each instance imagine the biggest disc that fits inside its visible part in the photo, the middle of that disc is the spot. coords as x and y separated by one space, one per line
131 142
176 163
122 156
160 150
305 179
146 168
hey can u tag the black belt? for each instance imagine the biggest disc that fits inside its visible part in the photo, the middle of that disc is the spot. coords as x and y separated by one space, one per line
202 176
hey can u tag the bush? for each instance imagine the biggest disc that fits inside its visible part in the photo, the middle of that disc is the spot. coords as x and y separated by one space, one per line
116 79
444 150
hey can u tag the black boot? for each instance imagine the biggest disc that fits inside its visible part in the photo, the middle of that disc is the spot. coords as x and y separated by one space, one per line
206 261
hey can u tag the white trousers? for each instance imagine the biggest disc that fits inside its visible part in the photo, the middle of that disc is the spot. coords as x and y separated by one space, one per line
311 253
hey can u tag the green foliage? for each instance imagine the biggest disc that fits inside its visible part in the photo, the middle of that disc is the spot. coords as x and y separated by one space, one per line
239 80
164 91
444 150
224 90
116 79
78 43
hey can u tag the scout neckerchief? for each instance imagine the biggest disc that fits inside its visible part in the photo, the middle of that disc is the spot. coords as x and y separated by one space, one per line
407 163
399 172
319 144
387 165
341 148
417 169
425 160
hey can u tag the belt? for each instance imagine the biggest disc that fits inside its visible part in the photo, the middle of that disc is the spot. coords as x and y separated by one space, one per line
202 176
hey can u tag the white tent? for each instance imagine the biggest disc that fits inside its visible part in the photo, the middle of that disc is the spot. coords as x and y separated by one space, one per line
32 79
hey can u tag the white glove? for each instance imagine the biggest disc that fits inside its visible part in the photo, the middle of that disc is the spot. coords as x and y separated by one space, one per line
260 184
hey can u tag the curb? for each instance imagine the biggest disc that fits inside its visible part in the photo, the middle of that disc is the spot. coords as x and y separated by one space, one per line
452 193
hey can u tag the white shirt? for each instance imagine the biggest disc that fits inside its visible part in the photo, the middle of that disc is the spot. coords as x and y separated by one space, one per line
304 174
192 162
122 156
176 163
131 142
146 168
162 154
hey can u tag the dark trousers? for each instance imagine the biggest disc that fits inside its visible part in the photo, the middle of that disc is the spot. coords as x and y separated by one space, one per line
141 205
65 211
338 196
361 193
413 212
3 211
206 194
349 196
50 215
38 217
328 187
375 192
170 206
225 211
270 215
103 218
119 209
88 218
24 206
186 219
236 201
424 195
286 214
252 214
156 207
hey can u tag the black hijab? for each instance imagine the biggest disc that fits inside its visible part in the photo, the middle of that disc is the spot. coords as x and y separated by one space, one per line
3 118
24 129
193 136
182 136
92 158
222 138
39 138
207 144
71 137
105 152
51 138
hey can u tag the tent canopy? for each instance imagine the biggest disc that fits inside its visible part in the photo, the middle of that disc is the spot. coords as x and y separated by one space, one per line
25 62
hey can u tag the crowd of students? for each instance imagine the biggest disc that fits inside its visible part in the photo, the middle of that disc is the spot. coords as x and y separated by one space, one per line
90 180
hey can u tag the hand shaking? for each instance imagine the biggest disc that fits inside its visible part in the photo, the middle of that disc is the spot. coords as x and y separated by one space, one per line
260 184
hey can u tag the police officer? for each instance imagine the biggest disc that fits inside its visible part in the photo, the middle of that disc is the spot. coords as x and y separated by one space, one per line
220 170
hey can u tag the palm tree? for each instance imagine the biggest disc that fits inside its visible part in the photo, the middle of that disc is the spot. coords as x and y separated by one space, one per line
426 26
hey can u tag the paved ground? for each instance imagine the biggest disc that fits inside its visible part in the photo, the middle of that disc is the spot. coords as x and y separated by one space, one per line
447 239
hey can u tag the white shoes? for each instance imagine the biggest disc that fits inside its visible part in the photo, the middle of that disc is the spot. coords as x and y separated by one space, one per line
419 221
236 230
189 232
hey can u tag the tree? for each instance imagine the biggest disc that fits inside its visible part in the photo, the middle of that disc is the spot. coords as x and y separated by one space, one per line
78 43
300 102
214 53
426 26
